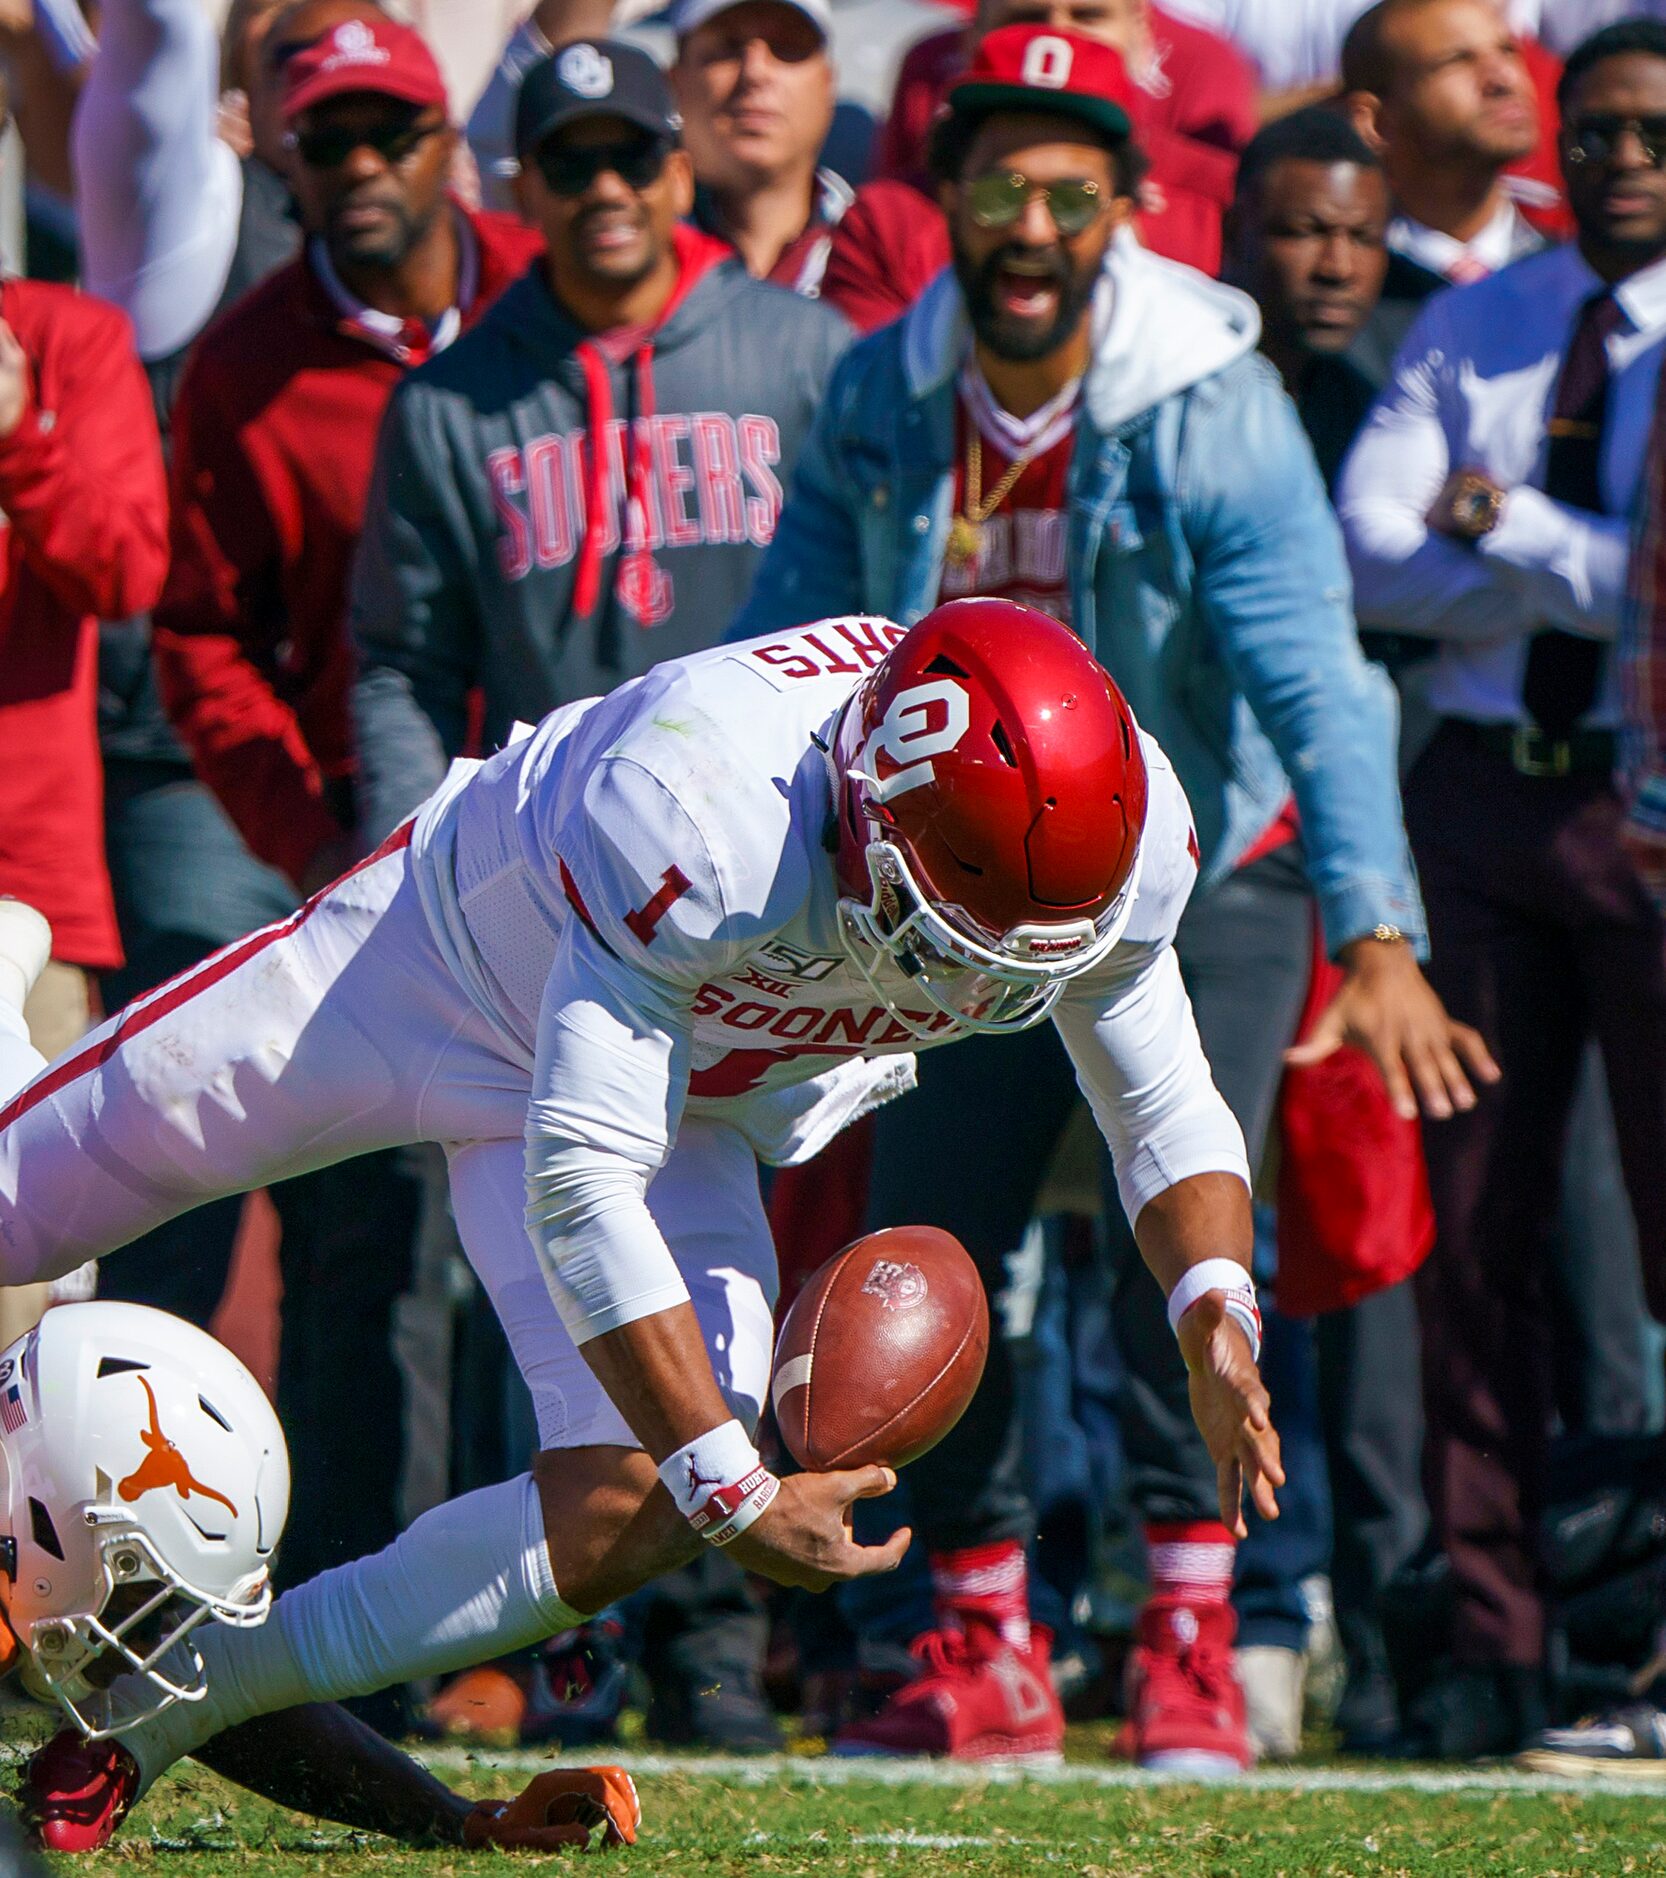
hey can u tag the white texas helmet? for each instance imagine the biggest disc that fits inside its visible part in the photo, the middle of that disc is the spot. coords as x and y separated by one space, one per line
144 1484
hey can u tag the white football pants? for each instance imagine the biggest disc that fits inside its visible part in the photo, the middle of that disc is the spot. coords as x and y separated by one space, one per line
335 1032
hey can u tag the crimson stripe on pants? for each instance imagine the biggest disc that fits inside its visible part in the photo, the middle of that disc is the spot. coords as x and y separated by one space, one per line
138 1018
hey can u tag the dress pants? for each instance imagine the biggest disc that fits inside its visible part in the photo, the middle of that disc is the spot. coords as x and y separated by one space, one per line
1541 937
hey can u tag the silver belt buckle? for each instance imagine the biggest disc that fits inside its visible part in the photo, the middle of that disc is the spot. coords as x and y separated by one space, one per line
1532 753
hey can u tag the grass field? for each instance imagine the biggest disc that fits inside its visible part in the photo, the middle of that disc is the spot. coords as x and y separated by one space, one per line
842 1820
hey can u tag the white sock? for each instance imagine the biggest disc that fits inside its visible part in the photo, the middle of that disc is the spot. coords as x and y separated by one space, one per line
20 1061
468 1581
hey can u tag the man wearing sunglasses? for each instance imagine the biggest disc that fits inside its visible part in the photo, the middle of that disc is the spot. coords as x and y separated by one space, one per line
755 84
1067 419
585 485
1487 507
276 423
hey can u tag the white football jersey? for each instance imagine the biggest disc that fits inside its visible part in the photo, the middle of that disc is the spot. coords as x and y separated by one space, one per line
641 896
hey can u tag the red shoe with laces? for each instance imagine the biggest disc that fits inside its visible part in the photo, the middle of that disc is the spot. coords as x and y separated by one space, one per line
1185 1709
976 1698
75 1793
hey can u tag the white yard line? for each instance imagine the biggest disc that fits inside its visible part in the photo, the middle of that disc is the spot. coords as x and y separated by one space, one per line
830 1771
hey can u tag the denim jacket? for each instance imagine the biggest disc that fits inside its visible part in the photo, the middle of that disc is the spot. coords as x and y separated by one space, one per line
1206 569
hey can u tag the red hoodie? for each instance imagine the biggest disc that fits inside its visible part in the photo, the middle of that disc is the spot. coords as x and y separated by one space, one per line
84 505
274 438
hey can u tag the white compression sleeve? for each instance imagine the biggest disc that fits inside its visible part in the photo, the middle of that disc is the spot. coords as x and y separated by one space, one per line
468 1581
158 194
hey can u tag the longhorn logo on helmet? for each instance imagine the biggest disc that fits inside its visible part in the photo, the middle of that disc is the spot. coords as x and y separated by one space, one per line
164 1465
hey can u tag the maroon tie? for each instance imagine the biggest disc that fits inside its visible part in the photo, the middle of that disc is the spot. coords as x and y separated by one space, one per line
1563 669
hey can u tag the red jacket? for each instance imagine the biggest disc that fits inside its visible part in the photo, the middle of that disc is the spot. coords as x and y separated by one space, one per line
1536 181
890 242
1196 111
85 537
274 438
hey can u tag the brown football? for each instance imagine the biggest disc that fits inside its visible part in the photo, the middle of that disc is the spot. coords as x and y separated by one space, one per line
881 1351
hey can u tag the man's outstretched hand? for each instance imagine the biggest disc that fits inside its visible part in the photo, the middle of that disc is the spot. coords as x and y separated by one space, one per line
1388 1009
1230 1406
569 1806
804 1537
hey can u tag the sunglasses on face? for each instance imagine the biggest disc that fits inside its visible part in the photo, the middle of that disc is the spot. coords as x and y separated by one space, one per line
1595 139
571 169
328 146
999 199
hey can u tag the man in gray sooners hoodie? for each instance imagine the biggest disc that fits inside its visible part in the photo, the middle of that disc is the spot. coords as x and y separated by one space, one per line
581 486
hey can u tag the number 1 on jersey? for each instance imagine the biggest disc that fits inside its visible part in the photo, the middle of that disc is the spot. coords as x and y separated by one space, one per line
644 922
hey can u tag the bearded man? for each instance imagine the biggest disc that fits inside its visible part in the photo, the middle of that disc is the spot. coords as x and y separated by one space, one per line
1067 420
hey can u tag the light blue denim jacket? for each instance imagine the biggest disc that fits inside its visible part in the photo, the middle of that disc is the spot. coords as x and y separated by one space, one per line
1206 569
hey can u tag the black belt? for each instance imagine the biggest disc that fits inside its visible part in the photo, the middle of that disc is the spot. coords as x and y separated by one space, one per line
1531 753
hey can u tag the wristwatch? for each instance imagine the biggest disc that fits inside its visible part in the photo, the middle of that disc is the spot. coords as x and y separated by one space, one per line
1476 507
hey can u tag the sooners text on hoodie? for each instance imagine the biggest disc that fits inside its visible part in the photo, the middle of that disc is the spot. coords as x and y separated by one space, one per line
556 510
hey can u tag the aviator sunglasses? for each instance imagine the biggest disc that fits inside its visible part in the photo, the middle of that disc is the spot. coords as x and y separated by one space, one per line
998 200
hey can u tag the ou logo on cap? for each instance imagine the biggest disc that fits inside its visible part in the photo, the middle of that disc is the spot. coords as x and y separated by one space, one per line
354 38
1047 62
583 69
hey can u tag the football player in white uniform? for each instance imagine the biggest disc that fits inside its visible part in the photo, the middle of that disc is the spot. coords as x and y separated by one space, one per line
703 921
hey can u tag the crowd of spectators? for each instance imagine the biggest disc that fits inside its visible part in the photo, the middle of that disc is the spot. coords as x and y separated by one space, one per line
374 377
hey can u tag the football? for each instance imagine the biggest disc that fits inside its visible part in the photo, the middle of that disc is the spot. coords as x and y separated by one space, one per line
881 1351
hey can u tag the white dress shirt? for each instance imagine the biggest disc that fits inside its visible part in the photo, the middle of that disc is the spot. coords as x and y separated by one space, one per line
1507 236
1473 388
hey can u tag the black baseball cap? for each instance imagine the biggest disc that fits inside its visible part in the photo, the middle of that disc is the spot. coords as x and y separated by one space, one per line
593 78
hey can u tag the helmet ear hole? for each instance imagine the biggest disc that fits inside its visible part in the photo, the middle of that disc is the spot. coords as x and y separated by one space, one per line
42 1530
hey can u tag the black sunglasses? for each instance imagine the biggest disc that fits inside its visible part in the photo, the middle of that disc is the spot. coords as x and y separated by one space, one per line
328 146
571 169
1595 139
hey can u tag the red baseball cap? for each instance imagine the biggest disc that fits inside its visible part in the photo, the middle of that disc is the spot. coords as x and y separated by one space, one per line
363 55
1035 68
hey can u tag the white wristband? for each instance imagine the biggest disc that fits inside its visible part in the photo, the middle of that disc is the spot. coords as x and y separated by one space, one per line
1228 1276
719 1484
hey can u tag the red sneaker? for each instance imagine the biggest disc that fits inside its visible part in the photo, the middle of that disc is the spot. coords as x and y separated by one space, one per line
976 1698
75 1793
1185 1708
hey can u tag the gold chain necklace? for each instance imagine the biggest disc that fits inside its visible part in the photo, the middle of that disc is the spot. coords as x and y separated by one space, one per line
965 541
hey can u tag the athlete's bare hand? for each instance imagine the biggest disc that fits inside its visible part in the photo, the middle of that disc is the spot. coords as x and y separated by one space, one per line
804 1538
1388 1009
1230 1407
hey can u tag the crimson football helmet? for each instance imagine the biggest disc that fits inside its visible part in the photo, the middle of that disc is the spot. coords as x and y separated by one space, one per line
992 794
